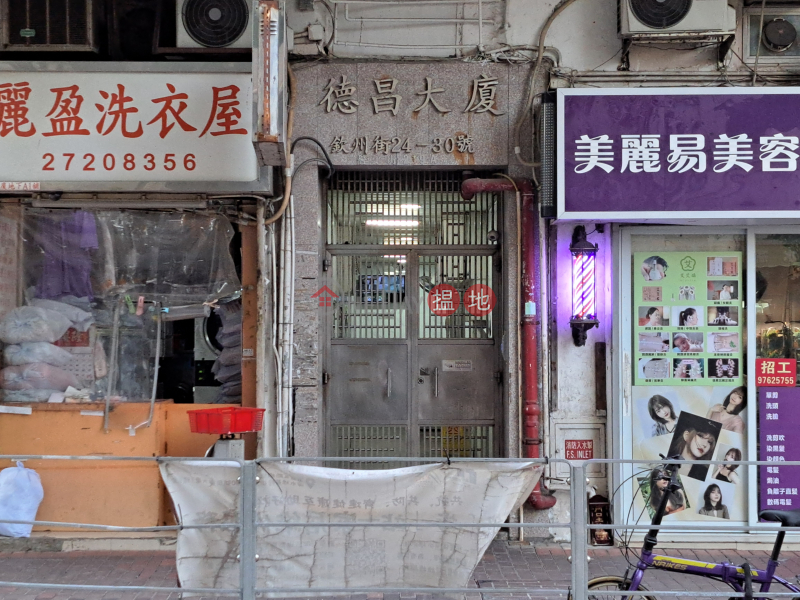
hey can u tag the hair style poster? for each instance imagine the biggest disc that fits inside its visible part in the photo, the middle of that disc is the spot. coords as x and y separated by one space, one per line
689 399
695 424
687 318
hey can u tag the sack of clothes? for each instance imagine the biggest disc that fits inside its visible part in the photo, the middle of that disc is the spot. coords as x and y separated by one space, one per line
36 352
33 324
34 364
39 376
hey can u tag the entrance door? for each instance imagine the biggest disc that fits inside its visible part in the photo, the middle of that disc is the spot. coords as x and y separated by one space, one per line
411 371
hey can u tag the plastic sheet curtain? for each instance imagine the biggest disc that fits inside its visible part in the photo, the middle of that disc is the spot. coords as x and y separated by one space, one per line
101 272
173 258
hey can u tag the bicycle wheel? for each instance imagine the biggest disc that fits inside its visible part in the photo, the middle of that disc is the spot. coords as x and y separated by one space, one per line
603 588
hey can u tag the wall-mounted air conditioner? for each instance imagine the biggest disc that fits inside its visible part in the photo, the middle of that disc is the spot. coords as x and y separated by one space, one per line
779 44
49 25
270 63
676 19
213 24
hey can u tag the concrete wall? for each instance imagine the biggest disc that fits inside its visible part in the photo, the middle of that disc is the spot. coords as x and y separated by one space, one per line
585 35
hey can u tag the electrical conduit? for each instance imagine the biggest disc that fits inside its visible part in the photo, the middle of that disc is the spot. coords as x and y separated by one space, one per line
528 344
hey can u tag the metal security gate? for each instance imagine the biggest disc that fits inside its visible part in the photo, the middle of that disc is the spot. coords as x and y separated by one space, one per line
401 379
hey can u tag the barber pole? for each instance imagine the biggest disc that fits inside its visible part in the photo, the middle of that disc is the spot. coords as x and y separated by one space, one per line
583 297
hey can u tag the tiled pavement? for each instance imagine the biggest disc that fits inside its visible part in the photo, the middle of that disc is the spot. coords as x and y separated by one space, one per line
505 565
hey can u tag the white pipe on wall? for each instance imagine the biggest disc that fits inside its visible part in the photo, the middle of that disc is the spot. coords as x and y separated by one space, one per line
286 327
290 325
278 363
264 399
281 338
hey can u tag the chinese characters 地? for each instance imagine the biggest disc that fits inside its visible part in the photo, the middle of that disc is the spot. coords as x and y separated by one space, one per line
687 152
117 112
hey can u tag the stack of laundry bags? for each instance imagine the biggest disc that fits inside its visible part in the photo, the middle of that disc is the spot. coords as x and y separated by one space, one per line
227 368
33 363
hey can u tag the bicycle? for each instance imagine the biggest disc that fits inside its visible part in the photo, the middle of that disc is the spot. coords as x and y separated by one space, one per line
741 578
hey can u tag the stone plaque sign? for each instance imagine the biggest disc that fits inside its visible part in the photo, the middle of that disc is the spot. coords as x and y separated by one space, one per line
409 113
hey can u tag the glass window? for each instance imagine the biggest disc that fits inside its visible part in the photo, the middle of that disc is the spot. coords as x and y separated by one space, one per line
777 296
687 353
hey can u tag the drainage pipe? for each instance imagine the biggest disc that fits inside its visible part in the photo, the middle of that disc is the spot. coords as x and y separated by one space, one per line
528 344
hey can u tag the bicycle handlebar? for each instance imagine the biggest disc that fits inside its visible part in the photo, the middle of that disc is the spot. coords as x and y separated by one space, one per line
651 539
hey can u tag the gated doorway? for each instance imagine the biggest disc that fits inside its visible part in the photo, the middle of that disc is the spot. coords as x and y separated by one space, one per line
412 359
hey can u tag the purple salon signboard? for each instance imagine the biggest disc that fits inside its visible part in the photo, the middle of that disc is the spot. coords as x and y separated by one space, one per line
678 153
779 420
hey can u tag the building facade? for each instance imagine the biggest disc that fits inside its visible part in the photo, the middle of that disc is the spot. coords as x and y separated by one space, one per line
455 238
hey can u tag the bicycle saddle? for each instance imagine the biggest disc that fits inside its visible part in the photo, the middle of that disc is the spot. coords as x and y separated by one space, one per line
788 518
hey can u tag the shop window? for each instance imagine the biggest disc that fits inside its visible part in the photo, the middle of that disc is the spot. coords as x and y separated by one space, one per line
688 395
81 297
778 296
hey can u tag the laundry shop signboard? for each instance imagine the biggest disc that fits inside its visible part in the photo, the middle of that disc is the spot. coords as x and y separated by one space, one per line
98 127
687 153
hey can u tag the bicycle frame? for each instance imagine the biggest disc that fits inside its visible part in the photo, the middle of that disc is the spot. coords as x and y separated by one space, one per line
728 573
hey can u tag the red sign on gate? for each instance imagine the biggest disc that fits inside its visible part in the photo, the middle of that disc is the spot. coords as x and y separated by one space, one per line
578 449
443 300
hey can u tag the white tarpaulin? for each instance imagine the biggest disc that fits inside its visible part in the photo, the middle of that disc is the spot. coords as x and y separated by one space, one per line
316 557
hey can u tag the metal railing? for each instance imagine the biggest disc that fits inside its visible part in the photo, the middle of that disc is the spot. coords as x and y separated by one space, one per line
248 526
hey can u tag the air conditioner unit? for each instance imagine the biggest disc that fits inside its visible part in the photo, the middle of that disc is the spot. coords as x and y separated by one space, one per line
49 25
779 43
676 19
213 24
270 63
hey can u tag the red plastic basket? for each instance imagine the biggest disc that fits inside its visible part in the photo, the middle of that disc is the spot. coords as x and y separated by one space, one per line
226 420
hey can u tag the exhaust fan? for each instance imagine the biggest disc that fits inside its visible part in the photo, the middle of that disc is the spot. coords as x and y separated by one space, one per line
778 35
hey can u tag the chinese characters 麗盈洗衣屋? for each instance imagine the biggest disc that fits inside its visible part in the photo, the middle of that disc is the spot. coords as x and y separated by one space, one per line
117 112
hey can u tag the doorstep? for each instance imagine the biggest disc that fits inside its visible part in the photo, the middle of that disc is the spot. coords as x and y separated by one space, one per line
49 541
